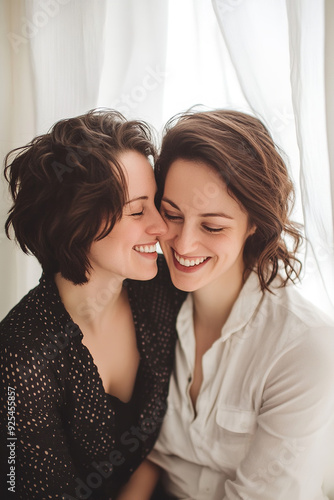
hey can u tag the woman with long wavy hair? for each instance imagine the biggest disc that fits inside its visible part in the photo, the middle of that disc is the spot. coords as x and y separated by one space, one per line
251 394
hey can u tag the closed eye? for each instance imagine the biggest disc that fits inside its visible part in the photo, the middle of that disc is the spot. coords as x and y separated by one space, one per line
171 217
137 214
213 229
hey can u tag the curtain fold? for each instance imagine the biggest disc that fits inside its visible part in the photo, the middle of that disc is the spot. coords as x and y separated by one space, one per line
17 127
329 86
199 67
52 57
134 76
306 20
277 49
67 54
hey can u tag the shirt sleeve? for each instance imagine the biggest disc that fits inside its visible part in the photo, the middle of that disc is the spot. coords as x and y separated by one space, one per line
33 427
286 459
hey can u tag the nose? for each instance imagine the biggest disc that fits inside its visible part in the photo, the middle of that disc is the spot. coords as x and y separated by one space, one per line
157 225
185 241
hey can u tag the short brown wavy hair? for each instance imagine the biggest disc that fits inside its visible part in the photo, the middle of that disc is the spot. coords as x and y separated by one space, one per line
68 183
239 147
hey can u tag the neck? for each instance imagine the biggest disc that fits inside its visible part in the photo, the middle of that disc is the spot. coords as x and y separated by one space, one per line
213 303
93 303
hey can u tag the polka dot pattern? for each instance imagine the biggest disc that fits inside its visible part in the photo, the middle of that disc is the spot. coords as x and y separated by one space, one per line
69 439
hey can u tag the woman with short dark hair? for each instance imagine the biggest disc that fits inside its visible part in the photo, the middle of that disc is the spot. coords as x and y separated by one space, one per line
86 355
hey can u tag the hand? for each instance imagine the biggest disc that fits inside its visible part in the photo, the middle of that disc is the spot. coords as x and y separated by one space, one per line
142 483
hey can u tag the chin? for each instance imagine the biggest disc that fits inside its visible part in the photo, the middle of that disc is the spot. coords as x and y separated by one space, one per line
184 285
186 288
146 276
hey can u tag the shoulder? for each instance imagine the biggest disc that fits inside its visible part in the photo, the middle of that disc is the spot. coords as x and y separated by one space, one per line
285 328
21 320
294 315
39 311
294 362
303 338
35 332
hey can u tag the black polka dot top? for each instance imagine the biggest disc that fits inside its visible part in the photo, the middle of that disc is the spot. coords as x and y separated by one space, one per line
62 435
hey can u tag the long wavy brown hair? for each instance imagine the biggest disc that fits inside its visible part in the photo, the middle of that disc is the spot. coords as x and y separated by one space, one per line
239 147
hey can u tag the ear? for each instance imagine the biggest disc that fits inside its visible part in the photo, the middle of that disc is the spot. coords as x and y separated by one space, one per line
252 230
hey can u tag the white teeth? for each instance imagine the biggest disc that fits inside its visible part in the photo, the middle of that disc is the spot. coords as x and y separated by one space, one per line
146 248
187 262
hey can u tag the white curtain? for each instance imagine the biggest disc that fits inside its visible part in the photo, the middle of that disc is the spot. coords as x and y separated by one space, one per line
154 58
17 127
134 74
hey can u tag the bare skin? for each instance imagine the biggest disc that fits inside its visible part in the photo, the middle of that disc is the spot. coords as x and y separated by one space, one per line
101 306
115 352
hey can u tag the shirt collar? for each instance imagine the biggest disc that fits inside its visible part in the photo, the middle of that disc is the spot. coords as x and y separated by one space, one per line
244 307
242 311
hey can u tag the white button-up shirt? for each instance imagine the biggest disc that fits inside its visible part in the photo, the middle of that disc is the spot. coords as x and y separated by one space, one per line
260 431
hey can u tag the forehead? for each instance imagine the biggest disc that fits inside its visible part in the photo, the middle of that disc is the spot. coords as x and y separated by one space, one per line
200 187
138 173
188 178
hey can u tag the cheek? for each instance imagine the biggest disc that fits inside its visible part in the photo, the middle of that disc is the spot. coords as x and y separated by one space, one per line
99 253
170 233
225 247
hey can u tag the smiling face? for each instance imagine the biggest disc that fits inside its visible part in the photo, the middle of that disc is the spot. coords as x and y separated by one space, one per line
129 250
207 228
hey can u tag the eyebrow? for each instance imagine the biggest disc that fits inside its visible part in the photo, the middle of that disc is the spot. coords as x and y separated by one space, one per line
136 199
218 214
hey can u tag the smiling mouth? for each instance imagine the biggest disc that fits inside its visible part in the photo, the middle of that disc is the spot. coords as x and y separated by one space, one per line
189 262
146 248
